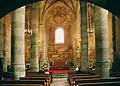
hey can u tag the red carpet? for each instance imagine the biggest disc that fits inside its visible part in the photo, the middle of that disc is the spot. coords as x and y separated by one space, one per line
58 71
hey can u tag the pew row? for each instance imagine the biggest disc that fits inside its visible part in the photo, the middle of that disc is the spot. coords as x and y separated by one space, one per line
73 78
21 85
37 78
37 74
99 84
97 81
22 82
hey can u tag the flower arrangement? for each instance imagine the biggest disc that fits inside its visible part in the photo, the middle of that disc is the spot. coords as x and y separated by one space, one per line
44 65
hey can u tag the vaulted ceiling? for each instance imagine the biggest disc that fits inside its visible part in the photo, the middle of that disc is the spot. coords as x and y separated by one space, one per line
69 3
7 6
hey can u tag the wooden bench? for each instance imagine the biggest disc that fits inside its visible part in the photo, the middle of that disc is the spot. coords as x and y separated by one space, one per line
99 84
37 78
114 72
22 82
72 79
21 85
36 74
6 75
115 75
79 75
96 80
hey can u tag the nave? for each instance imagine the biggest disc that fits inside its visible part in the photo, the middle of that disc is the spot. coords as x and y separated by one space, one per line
59 37
60 82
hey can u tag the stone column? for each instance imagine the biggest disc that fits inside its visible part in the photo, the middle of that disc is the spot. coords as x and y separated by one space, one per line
117 36
102 44
7 43
34 65
41 40
1 43
17 43
45 45
41 34
110 36
114 65
76 38
41 44
84 37
116 40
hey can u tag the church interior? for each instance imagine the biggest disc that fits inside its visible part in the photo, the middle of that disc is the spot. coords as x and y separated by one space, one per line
59 42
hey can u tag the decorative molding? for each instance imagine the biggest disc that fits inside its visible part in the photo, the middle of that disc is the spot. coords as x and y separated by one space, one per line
59 14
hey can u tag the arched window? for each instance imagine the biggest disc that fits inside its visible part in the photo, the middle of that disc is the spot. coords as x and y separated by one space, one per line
59 36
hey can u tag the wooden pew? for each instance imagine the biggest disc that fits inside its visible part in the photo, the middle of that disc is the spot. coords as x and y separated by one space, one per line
115 75
37 74
74 75
37 78
22 82
100 84
6 75
114 72
21 85
72 79
79 75
96 80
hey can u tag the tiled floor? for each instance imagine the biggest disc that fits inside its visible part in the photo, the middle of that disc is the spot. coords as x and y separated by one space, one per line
60 82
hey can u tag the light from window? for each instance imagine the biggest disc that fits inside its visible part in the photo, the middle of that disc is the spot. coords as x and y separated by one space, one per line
59 36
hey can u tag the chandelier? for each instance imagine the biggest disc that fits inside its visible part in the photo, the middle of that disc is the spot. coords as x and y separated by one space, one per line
91 30
28 31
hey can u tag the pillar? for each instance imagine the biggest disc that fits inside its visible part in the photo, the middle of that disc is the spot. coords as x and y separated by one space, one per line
102 42
41 40
116 40
117 36
114 65
76 38
110 36
45 46
41 35
34 62
1 43
84 37
7 43
17 43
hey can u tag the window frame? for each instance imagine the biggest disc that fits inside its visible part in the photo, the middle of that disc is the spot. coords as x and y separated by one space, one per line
59 30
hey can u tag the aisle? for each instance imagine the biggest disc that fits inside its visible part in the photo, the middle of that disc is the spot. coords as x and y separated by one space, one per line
60 82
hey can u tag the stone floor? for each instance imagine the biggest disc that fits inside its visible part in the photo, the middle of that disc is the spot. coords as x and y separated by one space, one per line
60 82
